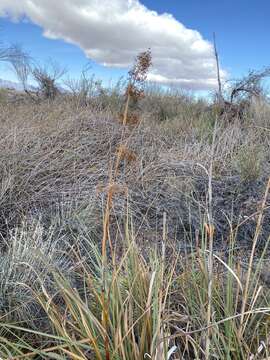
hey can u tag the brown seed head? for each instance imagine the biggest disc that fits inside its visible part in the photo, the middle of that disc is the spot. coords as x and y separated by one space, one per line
138 74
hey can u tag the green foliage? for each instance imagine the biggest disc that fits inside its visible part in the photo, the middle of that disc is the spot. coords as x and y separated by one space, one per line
205 126
152 305
3 95
249 161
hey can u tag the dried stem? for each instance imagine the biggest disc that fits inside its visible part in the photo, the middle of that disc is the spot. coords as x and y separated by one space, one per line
220 97
211 242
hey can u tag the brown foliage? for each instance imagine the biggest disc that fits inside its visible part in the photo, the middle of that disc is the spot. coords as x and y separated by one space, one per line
125 154
132 119
137 78
138 73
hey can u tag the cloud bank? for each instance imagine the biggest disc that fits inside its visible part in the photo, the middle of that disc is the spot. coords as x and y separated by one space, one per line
113 32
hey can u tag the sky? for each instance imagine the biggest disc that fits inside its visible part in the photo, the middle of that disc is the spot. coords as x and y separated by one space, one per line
109 34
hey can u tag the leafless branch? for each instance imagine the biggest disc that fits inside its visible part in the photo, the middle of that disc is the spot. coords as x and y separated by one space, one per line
46 78
220 96
250 85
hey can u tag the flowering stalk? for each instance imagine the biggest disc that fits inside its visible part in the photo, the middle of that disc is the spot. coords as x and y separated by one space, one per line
137 78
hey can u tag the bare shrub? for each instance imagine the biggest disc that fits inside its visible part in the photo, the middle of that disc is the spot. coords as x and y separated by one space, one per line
85 89
22 67
13 53
249 86
46 78
240 94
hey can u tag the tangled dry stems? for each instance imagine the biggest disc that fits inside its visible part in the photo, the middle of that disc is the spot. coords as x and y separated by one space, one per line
53 157
55 167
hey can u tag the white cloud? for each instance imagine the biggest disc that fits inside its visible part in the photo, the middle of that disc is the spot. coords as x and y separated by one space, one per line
113 32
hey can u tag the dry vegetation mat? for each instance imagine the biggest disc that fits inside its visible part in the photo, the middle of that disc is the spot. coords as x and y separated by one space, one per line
56 160
56 165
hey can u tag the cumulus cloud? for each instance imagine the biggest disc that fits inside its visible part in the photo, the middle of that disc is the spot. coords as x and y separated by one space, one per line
113 32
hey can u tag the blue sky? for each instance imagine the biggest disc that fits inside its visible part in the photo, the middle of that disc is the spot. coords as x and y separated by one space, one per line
242 29
42 49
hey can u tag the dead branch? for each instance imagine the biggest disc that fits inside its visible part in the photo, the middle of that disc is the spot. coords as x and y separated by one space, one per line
220 96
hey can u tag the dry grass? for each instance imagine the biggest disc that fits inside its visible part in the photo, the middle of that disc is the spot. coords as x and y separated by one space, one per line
156 306
53 156
161 291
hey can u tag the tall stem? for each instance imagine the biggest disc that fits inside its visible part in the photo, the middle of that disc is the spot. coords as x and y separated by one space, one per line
126 108
220 97
211 244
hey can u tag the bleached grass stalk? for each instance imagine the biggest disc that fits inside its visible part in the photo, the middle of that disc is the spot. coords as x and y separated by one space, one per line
211 240
125 116
137 74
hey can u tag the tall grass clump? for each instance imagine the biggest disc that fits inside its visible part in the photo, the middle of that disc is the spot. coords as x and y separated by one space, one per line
249 161
135 310
156 304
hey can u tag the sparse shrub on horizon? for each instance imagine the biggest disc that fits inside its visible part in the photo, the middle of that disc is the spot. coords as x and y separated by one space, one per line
84 89
238 96
3 96
46 78
169 104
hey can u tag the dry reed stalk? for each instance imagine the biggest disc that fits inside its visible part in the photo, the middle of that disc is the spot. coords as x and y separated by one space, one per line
137 78
125 115
129 119
220 97
210 233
